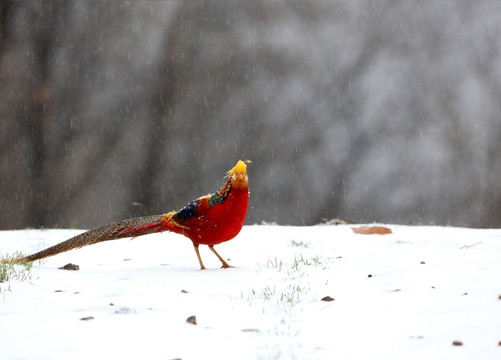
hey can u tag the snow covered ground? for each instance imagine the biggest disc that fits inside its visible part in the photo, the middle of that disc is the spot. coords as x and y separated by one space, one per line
406 295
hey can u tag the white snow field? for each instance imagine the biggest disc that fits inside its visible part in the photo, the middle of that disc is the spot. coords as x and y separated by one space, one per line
405 295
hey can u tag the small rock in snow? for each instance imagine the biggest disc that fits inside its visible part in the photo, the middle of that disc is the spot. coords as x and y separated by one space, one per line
457 343
192 320
70 266
327 298
87 318
250 330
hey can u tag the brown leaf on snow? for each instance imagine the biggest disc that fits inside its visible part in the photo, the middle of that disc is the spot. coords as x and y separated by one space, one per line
369 230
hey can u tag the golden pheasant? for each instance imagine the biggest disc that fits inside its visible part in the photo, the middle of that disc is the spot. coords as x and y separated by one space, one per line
208 220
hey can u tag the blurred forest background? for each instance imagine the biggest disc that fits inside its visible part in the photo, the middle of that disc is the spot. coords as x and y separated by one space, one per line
368 111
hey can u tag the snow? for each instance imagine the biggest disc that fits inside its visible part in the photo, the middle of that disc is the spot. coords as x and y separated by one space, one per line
140 293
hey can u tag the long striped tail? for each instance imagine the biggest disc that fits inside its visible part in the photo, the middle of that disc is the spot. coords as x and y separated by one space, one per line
121 229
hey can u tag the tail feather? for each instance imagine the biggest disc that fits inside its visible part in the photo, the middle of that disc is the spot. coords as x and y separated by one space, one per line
122 229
